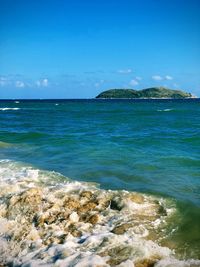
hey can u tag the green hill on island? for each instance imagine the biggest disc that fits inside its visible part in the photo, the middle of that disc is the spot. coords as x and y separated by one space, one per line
154 92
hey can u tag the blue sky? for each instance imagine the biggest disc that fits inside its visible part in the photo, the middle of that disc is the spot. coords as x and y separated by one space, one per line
76 49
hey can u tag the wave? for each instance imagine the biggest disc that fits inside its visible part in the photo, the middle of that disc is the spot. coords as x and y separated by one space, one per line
5 144
165 110
48 219
4 109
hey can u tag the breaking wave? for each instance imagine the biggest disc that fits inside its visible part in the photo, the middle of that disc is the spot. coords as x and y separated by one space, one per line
4 109
47 219
165 110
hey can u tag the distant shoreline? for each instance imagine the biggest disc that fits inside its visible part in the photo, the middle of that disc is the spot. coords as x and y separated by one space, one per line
159 98
99 99
94 99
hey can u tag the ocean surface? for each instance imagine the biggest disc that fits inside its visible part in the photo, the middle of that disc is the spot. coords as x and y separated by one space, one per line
150 147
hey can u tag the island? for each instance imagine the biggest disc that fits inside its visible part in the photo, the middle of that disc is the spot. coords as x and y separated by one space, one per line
149 93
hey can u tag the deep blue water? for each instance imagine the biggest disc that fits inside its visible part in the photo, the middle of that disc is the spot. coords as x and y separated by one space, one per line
150 146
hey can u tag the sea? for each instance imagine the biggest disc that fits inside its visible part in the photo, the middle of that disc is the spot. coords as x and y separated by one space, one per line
147 150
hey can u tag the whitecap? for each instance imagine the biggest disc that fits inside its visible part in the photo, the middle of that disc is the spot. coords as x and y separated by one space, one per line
4 109
165 110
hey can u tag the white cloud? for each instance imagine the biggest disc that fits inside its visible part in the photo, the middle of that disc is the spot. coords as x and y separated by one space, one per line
3 81
168 77
97 84
43 83
126 71
157 78
19 84
176 85
12 80
38 83
138 78
160 78
133 82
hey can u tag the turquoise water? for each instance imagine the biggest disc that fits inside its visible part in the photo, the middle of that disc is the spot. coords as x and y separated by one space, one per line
149 146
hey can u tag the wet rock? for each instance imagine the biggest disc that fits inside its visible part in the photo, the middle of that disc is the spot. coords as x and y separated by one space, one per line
46 218
137 198
162 211
86 194
51 240
93 219
113 262
115 205
33 235
74 217
26 204
121 229
146 263
71 204
87 207
74 231
31 197
104 203
118 255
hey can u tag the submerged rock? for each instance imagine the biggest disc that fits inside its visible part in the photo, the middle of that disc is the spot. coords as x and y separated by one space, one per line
121 229
146 263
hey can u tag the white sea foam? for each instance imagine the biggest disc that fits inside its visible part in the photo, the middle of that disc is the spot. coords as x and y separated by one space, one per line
165 110
47 219
4 109
171 262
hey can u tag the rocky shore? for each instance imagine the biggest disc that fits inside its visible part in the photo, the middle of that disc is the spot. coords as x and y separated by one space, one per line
44 222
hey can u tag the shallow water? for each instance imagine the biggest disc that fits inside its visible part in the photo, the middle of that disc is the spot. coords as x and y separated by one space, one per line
150 147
